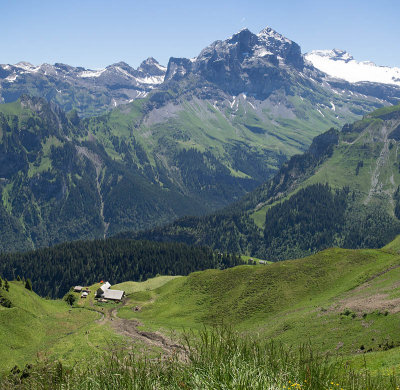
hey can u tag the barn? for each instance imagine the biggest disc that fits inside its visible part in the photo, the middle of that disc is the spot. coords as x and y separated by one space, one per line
114 295
105 292
105 286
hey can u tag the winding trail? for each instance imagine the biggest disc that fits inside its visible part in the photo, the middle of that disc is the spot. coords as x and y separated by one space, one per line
129 328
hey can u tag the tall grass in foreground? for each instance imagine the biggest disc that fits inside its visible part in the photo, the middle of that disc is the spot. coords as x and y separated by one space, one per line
220 359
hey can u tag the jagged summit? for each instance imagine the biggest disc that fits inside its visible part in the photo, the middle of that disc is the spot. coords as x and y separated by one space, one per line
152 67
269 33
118 83
245 62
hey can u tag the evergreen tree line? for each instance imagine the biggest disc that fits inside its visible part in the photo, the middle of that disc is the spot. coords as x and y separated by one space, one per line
315 218
54 270
4 286
233 232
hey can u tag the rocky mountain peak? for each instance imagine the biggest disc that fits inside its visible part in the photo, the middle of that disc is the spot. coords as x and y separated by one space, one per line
281 46
244 62
121 65
151 67
269 34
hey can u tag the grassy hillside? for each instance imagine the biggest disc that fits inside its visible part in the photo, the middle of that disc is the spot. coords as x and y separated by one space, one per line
339 300
344 191
365 158
37 329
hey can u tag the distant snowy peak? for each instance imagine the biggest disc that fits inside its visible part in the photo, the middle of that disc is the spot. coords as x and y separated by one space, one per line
150 73
152 67
334 55
340 64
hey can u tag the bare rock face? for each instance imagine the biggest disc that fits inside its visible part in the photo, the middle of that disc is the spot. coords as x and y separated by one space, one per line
246 62
151 67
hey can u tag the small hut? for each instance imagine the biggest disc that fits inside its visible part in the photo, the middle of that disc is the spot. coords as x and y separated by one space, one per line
105 286
113 295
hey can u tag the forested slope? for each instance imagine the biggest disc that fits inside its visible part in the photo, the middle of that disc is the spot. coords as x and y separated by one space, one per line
344 191
55 270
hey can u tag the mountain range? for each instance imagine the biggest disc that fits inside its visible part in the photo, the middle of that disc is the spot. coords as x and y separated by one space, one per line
204 132
87 91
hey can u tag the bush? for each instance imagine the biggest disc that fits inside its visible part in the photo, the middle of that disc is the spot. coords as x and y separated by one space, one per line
28 284
70 299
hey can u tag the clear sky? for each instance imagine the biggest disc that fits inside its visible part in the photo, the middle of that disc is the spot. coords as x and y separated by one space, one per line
96 33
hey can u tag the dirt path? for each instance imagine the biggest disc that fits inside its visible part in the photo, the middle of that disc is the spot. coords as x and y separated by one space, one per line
129 328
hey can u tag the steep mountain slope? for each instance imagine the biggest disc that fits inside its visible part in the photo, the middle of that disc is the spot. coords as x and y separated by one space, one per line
340 64
343 192
219 125
87 91
233 114
57 184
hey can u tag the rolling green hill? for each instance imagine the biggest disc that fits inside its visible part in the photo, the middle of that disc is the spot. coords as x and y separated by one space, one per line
340 301
36 329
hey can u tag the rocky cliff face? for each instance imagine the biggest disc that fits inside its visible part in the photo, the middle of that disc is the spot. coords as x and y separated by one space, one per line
245 62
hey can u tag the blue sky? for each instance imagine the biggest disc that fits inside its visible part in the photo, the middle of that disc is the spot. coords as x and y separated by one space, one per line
97 33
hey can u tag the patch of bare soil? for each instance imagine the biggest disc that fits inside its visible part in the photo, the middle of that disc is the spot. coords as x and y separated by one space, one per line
129 328
370 303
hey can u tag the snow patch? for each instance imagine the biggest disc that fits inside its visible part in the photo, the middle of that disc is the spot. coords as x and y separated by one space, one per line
163 68
261 52
150 80
11 78
91 73
141 94
251 105
340 64
27 67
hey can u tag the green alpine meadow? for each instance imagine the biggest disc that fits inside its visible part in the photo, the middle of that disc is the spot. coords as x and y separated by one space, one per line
330 317
223 217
